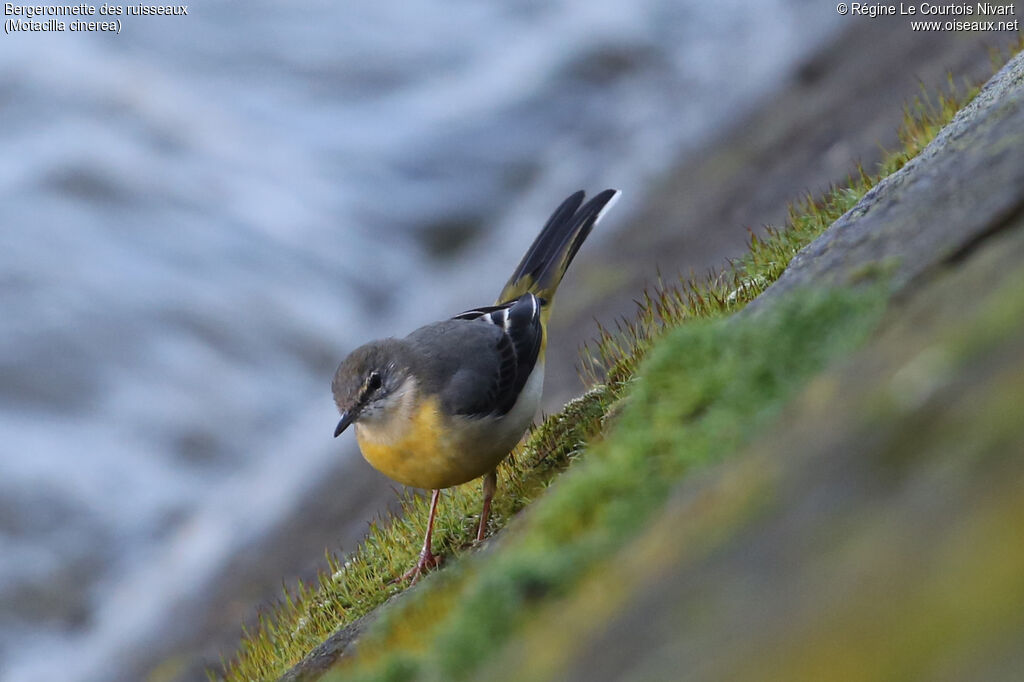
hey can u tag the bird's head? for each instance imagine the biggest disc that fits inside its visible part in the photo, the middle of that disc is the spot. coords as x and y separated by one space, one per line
366 381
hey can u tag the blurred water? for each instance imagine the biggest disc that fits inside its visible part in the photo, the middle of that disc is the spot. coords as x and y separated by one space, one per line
201 215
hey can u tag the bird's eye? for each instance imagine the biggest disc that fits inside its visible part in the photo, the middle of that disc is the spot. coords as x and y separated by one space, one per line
373 383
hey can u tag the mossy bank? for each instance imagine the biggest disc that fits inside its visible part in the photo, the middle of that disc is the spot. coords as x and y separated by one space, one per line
698 461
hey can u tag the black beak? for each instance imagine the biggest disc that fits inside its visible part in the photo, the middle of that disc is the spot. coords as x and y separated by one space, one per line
346 419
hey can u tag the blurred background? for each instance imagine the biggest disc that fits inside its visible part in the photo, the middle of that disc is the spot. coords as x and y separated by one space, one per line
202 215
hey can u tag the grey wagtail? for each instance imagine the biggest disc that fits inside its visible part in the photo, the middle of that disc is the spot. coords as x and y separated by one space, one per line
447 403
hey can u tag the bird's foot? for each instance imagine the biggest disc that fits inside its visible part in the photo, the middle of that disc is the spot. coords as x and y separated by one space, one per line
427 562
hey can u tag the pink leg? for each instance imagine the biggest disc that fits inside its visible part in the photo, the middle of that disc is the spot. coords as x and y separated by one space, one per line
490 485
427 559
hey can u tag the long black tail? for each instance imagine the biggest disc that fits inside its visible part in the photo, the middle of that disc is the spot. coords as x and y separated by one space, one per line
543 266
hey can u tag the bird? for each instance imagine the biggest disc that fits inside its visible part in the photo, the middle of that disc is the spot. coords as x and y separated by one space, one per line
447 403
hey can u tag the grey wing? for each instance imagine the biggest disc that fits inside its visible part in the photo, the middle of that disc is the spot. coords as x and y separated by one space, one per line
479 361
522 336
458 360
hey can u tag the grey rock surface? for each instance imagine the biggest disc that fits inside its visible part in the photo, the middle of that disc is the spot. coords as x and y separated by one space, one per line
962 188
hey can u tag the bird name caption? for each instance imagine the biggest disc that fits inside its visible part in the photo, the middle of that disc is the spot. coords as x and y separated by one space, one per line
965 16
80 18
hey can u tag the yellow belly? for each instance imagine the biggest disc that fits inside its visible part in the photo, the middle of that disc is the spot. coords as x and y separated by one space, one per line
425 450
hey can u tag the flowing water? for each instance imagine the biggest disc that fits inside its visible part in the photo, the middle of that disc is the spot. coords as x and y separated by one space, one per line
199 216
